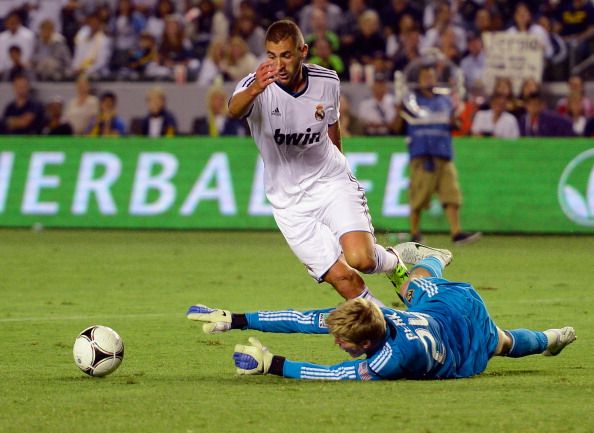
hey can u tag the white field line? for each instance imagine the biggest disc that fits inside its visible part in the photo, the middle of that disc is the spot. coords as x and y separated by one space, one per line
97 317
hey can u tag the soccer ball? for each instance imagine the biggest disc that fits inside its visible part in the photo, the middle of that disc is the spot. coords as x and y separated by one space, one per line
98 350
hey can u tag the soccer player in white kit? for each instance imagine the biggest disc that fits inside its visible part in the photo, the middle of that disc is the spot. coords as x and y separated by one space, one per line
292 109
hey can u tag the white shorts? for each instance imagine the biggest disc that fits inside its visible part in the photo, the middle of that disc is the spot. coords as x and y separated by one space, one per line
314 225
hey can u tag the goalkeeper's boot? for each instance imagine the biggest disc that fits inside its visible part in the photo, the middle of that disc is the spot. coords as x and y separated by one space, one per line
558 339
399 275
414 252
216 321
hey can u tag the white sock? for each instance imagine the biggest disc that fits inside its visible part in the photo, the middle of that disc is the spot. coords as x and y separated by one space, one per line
385 261
366 294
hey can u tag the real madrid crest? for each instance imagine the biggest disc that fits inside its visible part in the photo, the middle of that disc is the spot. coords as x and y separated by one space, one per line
320 114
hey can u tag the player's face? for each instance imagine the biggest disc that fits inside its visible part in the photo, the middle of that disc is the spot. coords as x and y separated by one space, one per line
287 59
355 350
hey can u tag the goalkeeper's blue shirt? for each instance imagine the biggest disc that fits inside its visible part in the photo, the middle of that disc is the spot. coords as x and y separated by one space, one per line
445 333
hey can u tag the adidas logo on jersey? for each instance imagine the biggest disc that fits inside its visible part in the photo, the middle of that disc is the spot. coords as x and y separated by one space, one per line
296 138
276 112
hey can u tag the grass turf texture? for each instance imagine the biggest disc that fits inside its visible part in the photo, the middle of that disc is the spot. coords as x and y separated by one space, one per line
176 379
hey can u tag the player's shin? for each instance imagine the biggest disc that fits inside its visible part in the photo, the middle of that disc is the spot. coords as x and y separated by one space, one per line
366 294
431 264
526 342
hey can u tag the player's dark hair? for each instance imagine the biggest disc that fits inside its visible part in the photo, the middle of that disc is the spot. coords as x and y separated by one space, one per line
285 29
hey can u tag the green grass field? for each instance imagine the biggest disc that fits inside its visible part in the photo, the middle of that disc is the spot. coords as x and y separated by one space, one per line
53 284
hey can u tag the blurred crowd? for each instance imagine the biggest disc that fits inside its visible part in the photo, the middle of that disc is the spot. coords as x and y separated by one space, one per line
210 42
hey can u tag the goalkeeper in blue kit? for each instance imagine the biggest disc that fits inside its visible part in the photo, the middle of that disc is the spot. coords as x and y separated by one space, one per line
446 331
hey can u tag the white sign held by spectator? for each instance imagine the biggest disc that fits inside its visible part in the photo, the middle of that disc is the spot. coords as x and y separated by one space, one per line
516 56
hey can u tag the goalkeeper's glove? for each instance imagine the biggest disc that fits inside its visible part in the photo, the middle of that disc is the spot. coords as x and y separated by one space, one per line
252 359
216 321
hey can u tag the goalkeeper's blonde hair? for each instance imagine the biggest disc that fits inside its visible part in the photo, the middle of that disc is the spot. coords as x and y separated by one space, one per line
356 321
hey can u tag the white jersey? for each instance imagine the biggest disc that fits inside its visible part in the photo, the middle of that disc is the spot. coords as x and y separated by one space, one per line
291 132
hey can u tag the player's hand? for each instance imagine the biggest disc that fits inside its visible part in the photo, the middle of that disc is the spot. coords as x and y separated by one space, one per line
266 74
216 321
253 358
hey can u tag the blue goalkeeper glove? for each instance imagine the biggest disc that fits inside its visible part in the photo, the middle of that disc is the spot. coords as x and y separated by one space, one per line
252 359
216 321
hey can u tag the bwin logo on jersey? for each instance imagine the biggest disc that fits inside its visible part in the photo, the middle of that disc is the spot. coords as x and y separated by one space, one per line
296 138
576 189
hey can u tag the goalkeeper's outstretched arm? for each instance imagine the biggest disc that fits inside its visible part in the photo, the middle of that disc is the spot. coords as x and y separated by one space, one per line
282 321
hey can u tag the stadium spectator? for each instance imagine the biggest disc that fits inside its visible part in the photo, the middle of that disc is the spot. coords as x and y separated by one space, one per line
324 219
432 168
324 56
495 121
320 29
159 122
393 13
346 26
239 61
556 65
332 12
24 114
18 67
82 108
377 113
538 121
205 22
107 123
92 49
51 57
54 122
576 18
155 23
350 124
528 87
447 332
444 22
475 101
278 9
253 34
15 35
369 44
576 87
210 68
175 51
143 61
575 111
473 64
218 122
408 49
448 46
523 23
483 22
127 26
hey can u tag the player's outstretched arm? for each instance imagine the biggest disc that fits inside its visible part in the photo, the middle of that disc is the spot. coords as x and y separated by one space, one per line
217 320
255 358
241 102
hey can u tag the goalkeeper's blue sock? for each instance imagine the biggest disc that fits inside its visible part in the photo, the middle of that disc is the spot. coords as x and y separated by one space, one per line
526 342
431 264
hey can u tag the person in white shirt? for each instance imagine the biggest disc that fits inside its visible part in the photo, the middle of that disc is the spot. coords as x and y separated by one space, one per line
15 35
378 112
523 24
495 122
92 48
292 109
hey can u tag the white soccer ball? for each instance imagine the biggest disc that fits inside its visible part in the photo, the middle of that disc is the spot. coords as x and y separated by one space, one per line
98 350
